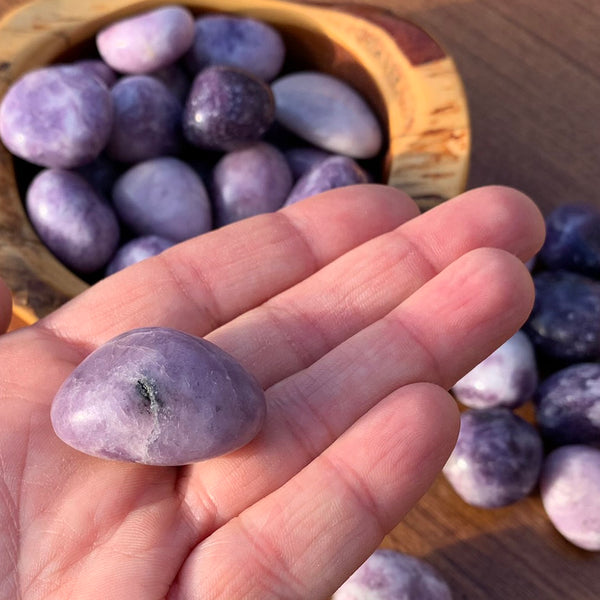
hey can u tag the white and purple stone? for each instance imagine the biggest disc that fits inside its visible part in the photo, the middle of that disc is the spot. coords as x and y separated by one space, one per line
570 493
328 113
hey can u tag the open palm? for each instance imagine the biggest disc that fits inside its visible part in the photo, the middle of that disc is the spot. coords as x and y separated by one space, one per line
355 314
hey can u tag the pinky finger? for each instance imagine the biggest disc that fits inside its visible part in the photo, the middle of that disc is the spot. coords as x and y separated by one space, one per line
305 539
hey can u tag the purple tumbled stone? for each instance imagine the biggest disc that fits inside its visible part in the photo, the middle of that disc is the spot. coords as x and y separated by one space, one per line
497 458
136 250
508 377
98 68
147 120
56 117
158 396
328 113
573 239
331 173
147 41
250 181
72 220
570 493
567 405
227 108
163 196
175 79
236 41
565 321
392 575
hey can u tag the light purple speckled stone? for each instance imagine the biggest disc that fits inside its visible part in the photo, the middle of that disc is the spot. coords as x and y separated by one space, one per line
158 396
56 117
391 575
508 377
236 41
147 120
331 173
328 113
249 182
136 250
163 196
570 492
72 220
148 41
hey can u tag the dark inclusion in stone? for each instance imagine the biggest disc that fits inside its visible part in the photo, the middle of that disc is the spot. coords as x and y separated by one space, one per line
151 401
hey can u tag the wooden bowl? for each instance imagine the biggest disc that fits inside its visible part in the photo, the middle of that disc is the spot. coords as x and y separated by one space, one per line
407 77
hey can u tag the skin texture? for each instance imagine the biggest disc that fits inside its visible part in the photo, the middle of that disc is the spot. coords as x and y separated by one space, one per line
336 324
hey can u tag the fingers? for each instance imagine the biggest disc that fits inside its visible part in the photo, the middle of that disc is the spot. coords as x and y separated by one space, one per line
335 512
197 285
298 326
437 334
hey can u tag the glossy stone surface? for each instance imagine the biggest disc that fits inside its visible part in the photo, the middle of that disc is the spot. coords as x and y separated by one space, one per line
227 108
570 492
328 113
567 405
148 41
391 575
497 458
565 321
72 220
333 172
56 117
136 250
250 181
147 121
573 239
163 196
508 377
303 159
158 396
236 41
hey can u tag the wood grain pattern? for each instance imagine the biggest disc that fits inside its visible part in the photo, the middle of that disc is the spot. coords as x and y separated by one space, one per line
531 70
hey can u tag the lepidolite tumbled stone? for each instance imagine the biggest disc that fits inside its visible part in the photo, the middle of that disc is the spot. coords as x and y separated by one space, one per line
57 116
328 113
565 321
158 396
570 492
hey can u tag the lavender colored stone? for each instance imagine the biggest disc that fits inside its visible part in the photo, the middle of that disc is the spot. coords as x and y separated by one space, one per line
175 79
565 321
97 68
72 220
55 117
508 377
333 172
391 575
148 41
328 113
250 181
573 239
497 458
301 160
136 250
163 196
568 405
570 492
240 42
147 121
158 396
227 108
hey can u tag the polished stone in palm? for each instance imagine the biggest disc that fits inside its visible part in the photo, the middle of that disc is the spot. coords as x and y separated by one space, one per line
158 396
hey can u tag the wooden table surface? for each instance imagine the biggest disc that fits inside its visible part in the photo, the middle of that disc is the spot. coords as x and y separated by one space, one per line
531 70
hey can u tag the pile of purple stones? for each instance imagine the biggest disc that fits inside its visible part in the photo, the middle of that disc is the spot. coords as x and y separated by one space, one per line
177 125
554 362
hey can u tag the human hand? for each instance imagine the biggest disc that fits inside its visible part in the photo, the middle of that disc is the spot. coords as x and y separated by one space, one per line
355 314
